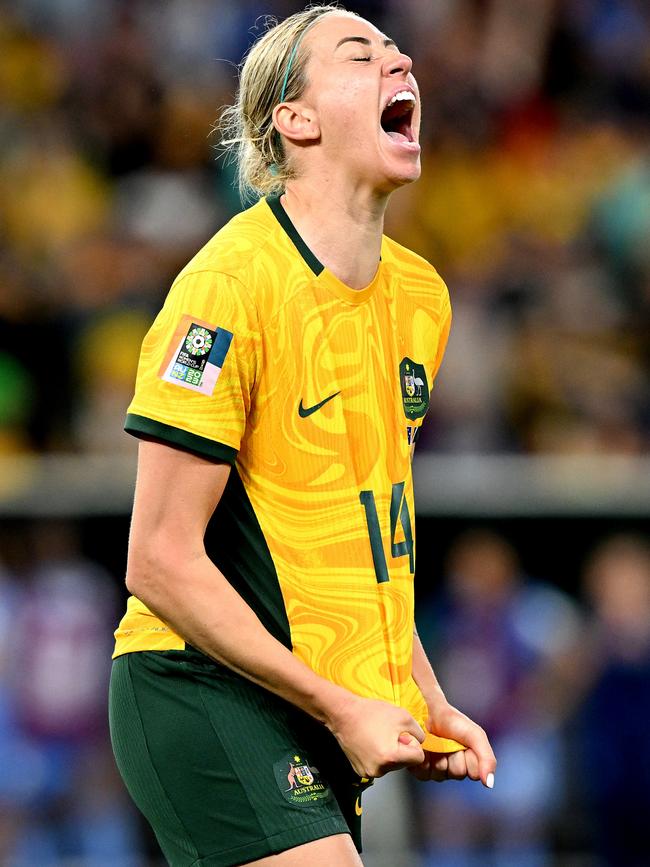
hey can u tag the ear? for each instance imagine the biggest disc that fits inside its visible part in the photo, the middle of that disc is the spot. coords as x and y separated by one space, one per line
296 122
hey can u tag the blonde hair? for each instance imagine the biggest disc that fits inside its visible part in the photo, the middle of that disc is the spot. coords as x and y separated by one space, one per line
273 71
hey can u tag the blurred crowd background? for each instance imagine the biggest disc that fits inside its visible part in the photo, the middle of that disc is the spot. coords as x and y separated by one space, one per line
561 681
534 205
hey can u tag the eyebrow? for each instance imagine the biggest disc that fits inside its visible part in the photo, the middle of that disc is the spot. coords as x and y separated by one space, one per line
363 41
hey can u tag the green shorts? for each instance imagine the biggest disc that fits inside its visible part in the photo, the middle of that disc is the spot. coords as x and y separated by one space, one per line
224 771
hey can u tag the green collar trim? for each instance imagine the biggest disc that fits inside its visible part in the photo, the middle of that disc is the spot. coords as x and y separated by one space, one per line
273 201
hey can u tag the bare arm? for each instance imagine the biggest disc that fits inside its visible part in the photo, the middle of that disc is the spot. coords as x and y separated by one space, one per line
423 673
169 570
477 761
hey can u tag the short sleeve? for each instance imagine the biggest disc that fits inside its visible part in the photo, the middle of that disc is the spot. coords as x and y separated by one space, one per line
445 327
198 367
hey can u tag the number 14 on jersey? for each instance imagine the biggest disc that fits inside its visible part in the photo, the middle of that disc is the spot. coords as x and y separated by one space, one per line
399 511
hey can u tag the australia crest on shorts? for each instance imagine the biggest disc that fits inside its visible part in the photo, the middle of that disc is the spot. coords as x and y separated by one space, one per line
415 389
300 782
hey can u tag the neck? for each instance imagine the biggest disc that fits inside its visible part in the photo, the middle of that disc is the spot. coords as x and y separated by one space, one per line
342 228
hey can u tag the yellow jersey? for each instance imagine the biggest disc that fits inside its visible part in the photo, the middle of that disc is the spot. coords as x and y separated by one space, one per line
315 394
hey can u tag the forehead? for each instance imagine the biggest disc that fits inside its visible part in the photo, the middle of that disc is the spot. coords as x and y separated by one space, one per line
323 37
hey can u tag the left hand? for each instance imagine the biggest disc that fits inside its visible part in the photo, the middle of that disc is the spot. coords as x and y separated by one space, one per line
477 762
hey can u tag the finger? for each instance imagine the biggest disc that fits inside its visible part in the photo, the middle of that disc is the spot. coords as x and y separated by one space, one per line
426 773
410 753
478 741
457 766
407 740
439 767
416 730
471 760
440 763
434 767
422 771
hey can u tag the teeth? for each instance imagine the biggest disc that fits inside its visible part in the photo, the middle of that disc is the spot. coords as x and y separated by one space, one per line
401 96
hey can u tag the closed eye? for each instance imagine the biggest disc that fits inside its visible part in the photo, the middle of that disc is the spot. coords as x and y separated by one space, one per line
362 59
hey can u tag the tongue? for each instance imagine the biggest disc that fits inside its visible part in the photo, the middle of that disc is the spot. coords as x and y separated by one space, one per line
396 135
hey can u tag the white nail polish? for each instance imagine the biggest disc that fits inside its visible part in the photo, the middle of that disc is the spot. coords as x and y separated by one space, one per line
490 781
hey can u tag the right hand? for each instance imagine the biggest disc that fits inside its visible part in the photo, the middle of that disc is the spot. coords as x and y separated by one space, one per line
376 736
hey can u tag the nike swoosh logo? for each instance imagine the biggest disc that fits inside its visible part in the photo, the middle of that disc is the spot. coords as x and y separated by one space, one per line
304 411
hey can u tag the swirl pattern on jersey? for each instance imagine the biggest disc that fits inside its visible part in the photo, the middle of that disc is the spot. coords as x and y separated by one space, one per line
312 399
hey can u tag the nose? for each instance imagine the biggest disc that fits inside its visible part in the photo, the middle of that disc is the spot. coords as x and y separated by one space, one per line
398 64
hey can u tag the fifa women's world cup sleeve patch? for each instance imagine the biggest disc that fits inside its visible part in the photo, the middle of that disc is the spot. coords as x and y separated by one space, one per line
195 355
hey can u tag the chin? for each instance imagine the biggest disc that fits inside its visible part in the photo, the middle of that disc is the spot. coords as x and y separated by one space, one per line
412 175
385 173
396 178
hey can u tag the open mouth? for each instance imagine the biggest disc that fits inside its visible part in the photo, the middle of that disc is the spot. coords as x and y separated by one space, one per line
396 118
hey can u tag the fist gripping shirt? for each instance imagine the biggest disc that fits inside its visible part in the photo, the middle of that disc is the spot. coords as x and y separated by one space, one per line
315 394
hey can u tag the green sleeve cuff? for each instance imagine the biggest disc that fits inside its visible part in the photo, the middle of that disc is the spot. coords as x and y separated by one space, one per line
141 426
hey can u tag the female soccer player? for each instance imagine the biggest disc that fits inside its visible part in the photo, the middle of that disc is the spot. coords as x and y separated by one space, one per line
267 667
